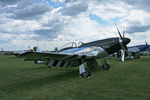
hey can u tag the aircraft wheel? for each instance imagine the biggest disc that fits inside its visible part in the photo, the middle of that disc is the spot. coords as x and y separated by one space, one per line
86 74
106 67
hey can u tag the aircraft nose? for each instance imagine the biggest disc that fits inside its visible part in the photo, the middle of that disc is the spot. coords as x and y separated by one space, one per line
126 40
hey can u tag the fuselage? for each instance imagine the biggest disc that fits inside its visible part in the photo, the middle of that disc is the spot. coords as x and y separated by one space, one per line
138 48
100 48
71 56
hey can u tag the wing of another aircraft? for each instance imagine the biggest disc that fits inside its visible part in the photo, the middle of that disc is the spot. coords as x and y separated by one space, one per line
138 48
133 49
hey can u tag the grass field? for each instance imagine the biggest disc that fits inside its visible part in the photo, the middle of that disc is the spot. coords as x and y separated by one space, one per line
21 80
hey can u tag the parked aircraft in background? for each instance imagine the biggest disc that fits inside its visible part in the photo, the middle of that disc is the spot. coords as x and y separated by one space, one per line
135 50
19 52
6 52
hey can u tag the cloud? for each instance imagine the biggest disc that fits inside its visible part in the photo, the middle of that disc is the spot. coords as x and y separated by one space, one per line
139 4
64 1
27 22
137 21
47 33
30 12
18 26
108 10
24 9
139 28
74 9
8 2
20 3
52 24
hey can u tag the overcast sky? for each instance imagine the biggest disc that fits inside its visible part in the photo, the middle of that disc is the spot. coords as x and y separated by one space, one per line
52 23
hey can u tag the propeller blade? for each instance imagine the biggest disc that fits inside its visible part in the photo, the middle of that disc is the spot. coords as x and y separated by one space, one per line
118 32
124 48
127 51
123 32
123 35
146 42
122 55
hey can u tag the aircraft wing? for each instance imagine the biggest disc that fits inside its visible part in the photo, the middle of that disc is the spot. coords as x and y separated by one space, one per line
71 56
133 49
47 56
138 48
53 59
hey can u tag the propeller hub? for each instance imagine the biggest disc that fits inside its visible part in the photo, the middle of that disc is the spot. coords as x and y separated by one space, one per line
126 41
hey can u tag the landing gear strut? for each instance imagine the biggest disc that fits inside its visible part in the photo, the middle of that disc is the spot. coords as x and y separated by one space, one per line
49 67
105 66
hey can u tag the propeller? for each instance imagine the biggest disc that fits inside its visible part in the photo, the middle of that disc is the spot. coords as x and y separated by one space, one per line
123 47
146 43
148 46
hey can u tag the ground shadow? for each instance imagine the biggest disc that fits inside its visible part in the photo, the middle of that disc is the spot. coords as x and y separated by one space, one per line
36 83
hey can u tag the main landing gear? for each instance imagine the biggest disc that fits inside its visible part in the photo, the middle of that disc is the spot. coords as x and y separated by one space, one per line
105 66
84 72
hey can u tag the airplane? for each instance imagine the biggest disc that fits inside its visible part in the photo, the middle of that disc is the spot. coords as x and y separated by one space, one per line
7 52
149 47
4 52
135 50
34 49
77 55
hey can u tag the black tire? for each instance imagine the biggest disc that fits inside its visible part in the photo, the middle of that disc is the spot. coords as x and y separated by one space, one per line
106 67
86 74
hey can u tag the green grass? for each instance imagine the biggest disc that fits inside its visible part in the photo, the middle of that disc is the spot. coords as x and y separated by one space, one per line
20 80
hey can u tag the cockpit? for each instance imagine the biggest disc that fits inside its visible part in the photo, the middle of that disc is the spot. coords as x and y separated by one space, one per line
71 45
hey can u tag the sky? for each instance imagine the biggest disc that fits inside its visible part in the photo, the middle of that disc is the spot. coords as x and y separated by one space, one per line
53 23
